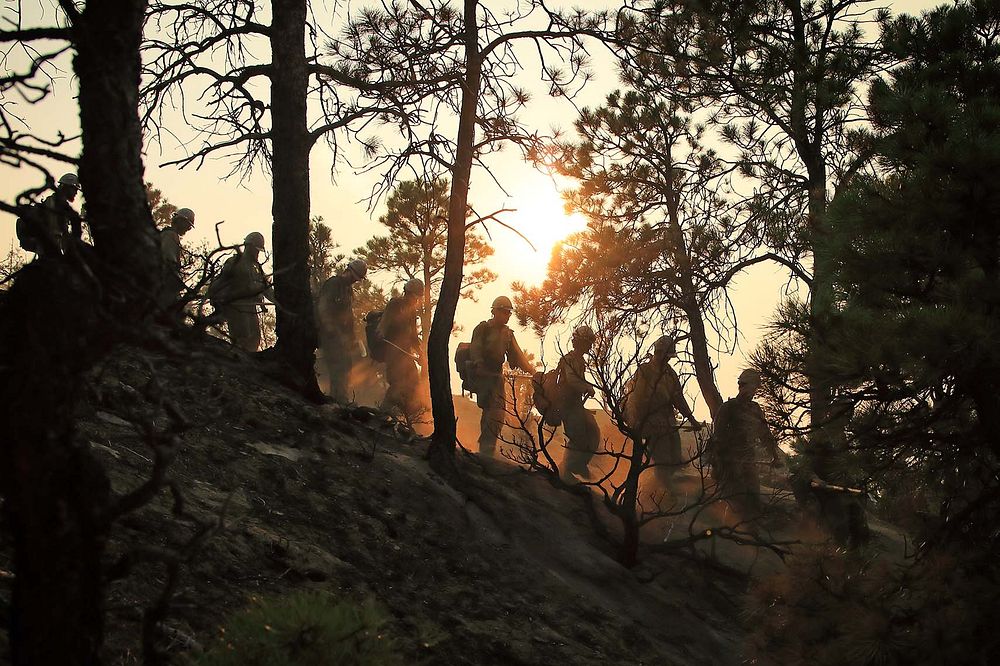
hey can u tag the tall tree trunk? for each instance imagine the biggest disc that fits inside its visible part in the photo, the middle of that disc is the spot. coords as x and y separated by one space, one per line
703 370
59 317
290 146
628 510
442 450
426 315
843 515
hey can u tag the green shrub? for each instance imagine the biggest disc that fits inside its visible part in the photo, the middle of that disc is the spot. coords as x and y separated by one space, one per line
304 629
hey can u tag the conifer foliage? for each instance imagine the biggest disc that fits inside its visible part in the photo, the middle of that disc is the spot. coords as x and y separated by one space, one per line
914 252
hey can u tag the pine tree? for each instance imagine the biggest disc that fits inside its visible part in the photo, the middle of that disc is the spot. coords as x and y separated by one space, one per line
914 254
417 222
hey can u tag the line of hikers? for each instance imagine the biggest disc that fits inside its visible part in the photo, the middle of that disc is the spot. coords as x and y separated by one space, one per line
648 408
651 399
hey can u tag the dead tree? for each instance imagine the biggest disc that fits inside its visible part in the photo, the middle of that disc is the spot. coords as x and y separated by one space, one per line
62 315
620 469
435 65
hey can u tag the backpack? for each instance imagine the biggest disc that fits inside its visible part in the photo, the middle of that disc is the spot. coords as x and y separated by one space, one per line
220 286
547 396
463 355
27 229
375 342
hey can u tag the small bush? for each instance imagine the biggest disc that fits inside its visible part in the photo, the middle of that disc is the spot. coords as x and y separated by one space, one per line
305 629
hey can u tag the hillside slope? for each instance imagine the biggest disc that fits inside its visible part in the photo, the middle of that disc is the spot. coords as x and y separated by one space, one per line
323 497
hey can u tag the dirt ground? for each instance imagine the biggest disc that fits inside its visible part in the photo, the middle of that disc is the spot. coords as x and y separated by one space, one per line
507 571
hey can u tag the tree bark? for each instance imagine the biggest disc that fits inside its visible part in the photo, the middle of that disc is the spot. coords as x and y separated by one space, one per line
290 146
703 370
59 317
442 448
426 315
627 510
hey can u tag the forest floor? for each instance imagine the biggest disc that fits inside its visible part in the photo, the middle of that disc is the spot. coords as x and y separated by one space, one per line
323 497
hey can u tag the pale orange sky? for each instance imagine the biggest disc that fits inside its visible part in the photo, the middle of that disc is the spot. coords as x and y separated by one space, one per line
246 207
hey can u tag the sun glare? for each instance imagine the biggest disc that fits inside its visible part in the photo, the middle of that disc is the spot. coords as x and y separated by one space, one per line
543 221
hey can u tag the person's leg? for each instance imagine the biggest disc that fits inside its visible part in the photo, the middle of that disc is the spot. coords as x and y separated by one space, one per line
584 438
575 460
244 328
337 366
665 454
393 378
491 422
745 484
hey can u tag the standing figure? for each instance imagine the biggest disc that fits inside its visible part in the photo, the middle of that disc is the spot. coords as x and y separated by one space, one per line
653 398
58 223
579 423
492 343
398 328
335 316
181 222
739 428
238 292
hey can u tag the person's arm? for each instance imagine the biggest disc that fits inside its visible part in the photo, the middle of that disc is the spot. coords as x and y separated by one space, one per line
764 434
677 395
324 307
75 222
411 324
268 291
170 247
517 358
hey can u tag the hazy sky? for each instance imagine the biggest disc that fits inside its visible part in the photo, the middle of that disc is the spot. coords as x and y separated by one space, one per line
246 207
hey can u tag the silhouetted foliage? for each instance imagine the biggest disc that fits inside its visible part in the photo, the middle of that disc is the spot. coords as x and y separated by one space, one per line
163 210
914 254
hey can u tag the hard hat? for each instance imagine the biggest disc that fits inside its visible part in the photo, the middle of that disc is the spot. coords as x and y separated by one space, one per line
665 343
255 239
185 214
584 332
503 303
70 179
359 268
414 286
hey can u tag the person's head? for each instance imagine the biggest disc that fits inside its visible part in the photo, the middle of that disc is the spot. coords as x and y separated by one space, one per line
583 338
749 382
502 309
69 185
414 288
182 220
356 270
665 348
254 242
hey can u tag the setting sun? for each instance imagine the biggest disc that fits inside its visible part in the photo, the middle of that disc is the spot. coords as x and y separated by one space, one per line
542 219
